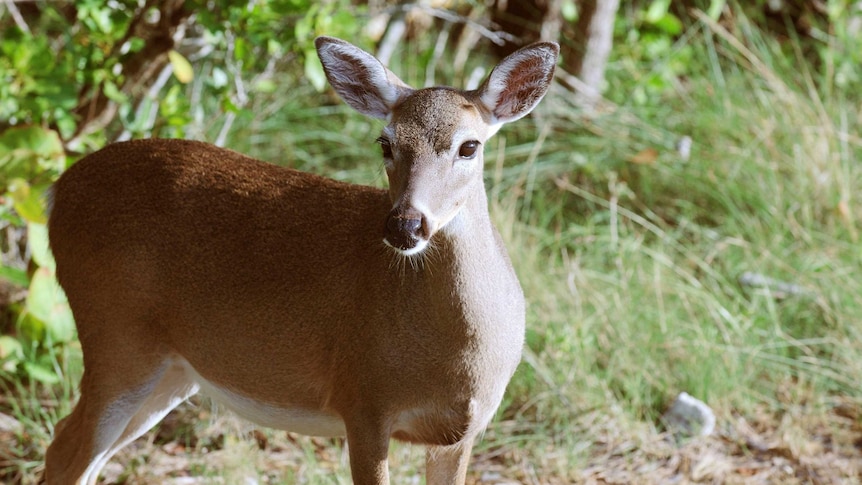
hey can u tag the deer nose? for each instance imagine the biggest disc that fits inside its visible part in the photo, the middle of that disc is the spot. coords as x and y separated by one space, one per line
404 230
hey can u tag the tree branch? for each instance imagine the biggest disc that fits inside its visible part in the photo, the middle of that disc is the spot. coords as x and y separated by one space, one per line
95 110
16 16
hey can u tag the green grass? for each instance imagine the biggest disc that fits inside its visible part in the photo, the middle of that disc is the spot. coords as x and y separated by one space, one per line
35 408
631 270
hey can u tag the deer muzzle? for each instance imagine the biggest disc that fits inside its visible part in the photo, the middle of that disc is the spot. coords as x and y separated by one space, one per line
406 231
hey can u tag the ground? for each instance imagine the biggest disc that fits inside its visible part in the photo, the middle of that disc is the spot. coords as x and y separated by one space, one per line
195 445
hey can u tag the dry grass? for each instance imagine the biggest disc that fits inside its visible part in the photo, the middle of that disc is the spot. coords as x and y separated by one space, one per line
194 447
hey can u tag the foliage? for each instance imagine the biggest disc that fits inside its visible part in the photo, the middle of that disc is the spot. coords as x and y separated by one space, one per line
65 85
30 158
656 32
37 86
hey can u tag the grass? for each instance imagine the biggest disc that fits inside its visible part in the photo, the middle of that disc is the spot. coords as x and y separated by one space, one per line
637 296
631 271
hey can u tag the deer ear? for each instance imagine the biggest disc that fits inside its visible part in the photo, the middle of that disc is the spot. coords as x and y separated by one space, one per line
359 78
519 82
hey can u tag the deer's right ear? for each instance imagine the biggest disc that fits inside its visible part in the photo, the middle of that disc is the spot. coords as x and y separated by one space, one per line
359 78
519 82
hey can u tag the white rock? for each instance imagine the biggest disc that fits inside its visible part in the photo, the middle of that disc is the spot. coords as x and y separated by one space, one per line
690 415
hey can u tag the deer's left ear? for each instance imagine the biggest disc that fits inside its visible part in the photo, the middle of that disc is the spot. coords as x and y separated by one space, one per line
519 82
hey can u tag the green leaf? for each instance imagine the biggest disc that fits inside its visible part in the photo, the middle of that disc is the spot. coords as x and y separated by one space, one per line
716 7
240 49
305 26
669 24
41 295
136 44
28 200
265 86
15 276
61 323
47 302
30 327
569 10
66 125
314 70
11 353
182 67
37 239
657 10
228 106
40 373
343 20
23 148
10 348
112 91
274 48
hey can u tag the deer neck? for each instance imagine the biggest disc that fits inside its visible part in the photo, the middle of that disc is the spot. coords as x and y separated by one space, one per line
477 295
471 237
476 263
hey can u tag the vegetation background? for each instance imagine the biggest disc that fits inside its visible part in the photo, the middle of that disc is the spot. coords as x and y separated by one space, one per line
688 222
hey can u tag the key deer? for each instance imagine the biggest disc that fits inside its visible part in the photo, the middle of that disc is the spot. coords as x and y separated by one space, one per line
299 302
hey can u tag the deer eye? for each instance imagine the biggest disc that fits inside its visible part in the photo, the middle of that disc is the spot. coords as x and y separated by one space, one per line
468 149
386 146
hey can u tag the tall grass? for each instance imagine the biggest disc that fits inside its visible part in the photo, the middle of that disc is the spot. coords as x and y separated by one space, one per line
632 270
35 408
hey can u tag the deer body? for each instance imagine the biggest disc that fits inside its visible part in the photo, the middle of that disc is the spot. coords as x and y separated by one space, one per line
299 302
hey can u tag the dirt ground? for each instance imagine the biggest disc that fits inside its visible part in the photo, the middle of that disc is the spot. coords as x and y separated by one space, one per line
793 448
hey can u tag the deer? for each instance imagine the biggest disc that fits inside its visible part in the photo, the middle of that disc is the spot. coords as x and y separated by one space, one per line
299 302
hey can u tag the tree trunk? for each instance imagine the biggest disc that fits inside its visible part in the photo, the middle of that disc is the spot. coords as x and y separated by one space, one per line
587 56
529 21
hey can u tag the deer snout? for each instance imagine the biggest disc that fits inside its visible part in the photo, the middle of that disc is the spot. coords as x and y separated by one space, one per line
406 231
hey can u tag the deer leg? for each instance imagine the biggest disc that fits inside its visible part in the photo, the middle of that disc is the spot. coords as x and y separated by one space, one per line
173 388
368 448
447 465
83 439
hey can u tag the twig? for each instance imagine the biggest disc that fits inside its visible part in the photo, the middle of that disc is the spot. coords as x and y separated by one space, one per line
151 97
596 102
241 98
94 108
439 48
16 15
394 33
497 37
780 289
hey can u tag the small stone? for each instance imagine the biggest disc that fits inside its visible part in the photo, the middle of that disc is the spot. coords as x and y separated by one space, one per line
683 147
689 416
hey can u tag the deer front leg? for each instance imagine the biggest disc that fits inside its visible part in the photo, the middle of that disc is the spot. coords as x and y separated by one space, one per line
368 447
447 465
